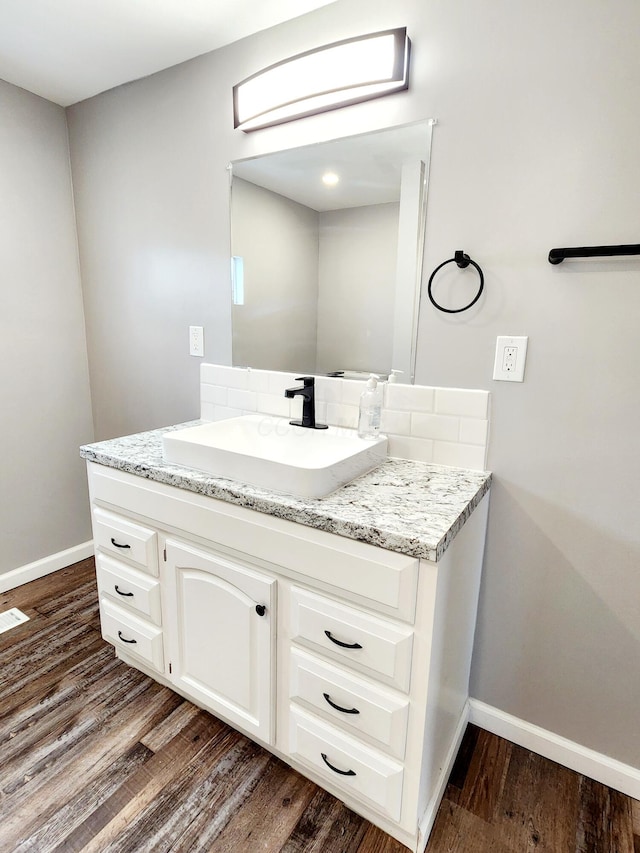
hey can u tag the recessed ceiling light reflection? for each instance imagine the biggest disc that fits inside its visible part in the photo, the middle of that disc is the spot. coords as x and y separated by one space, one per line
330 179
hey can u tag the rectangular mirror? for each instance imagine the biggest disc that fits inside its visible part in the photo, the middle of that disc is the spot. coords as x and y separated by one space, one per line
327 243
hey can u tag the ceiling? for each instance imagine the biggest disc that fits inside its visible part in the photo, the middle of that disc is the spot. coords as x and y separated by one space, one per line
69 50
369 167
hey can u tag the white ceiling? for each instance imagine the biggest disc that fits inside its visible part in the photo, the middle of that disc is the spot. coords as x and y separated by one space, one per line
69 50
369 167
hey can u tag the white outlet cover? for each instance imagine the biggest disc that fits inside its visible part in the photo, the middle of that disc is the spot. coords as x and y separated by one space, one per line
196 341
510 369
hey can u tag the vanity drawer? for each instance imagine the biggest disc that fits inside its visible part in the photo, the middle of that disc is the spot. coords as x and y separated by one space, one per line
351 703
131 634
364 642
118 535
129 587
373 577
346 763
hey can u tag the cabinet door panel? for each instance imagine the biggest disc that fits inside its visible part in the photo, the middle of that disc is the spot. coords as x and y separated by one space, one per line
220 646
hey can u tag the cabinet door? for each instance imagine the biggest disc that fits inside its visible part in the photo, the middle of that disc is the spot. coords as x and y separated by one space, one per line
221 624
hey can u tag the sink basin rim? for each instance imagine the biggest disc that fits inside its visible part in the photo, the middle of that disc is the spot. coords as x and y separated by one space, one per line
283 462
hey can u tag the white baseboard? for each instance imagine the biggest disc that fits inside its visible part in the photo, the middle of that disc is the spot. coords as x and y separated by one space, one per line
609 771
428 818
45 566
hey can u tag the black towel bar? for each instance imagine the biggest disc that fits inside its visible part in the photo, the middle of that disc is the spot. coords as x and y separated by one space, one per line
557 256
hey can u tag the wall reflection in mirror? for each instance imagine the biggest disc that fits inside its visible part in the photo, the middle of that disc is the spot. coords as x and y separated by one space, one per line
326 273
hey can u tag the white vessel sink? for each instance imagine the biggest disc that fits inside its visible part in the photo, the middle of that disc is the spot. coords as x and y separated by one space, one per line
268 452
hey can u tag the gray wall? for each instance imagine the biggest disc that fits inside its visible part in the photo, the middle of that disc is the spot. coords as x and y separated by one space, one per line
277 238
151 200
536 146
46 410
306 276
358 253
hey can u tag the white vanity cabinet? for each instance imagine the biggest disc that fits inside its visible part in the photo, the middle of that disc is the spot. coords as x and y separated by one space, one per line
348 661
128 587
219 635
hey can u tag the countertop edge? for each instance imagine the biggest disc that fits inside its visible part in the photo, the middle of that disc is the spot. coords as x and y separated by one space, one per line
305 512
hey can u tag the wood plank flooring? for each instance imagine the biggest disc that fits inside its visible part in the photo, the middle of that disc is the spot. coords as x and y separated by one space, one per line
95 756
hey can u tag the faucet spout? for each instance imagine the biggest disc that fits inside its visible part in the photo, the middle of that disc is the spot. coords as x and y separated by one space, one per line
308 393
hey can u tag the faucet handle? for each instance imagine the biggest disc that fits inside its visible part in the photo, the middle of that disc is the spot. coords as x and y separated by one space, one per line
306 380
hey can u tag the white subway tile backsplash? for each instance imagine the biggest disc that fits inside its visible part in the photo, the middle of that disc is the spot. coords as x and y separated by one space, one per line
405 447
459 455
295 408
321 412
208 411
274 404
219 413
408 398
344 416
231 377
458 401
217 394
473 431
352 390
448 426
437 427
247 400
395 422
279 382
208 373
328 389
259 380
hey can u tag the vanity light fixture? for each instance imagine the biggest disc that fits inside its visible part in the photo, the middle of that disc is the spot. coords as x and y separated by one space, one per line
336 75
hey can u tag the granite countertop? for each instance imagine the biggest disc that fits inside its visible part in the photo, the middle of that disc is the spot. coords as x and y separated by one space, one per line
415 508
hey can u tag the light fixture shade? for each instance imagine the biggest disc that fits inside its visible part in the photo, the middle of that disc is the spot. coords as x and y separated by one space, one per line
329 77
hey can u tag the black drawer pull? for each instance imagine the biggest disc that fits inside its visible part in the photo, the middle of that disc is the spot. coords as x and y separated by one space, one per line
261 609
120 592
335 769
118 545
338 708
343 645
124 640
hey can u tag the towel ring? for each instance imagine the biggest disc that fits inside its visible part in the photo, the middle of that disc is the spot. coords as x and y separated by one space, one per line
462 261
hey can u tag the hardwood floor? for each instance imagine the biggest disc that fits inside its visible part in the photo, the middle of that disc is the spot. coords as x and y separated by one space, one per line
95 756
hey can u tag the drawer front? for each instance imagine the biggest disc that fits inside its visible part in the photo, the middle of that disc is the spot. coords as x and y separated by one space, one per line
130 634
366 643
374 577
349 702
130 588
346 763
117 535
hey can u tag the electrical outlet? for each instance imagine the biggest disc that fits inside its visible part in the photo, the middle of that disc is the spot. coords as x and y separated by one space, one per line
196 340
511 354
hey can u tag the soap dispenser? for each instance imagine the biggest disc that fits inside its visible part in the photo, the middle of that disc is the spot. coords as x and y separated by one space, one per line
370 409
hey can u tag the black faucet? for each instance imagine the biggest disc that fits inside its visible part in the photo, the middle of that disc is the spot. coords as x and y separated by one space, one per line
308 393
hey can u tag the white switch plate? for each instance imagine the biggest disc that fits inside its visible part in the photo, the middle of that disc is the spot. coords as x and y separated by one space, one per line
196 340
511 354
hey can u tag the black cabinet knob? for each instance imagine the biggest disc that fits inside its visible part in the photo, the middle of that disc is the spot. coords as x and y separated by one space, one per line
261 609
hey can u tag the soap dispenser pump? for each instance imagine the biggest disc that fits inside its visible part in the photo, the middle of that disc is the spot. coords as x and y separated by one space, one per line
370 409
